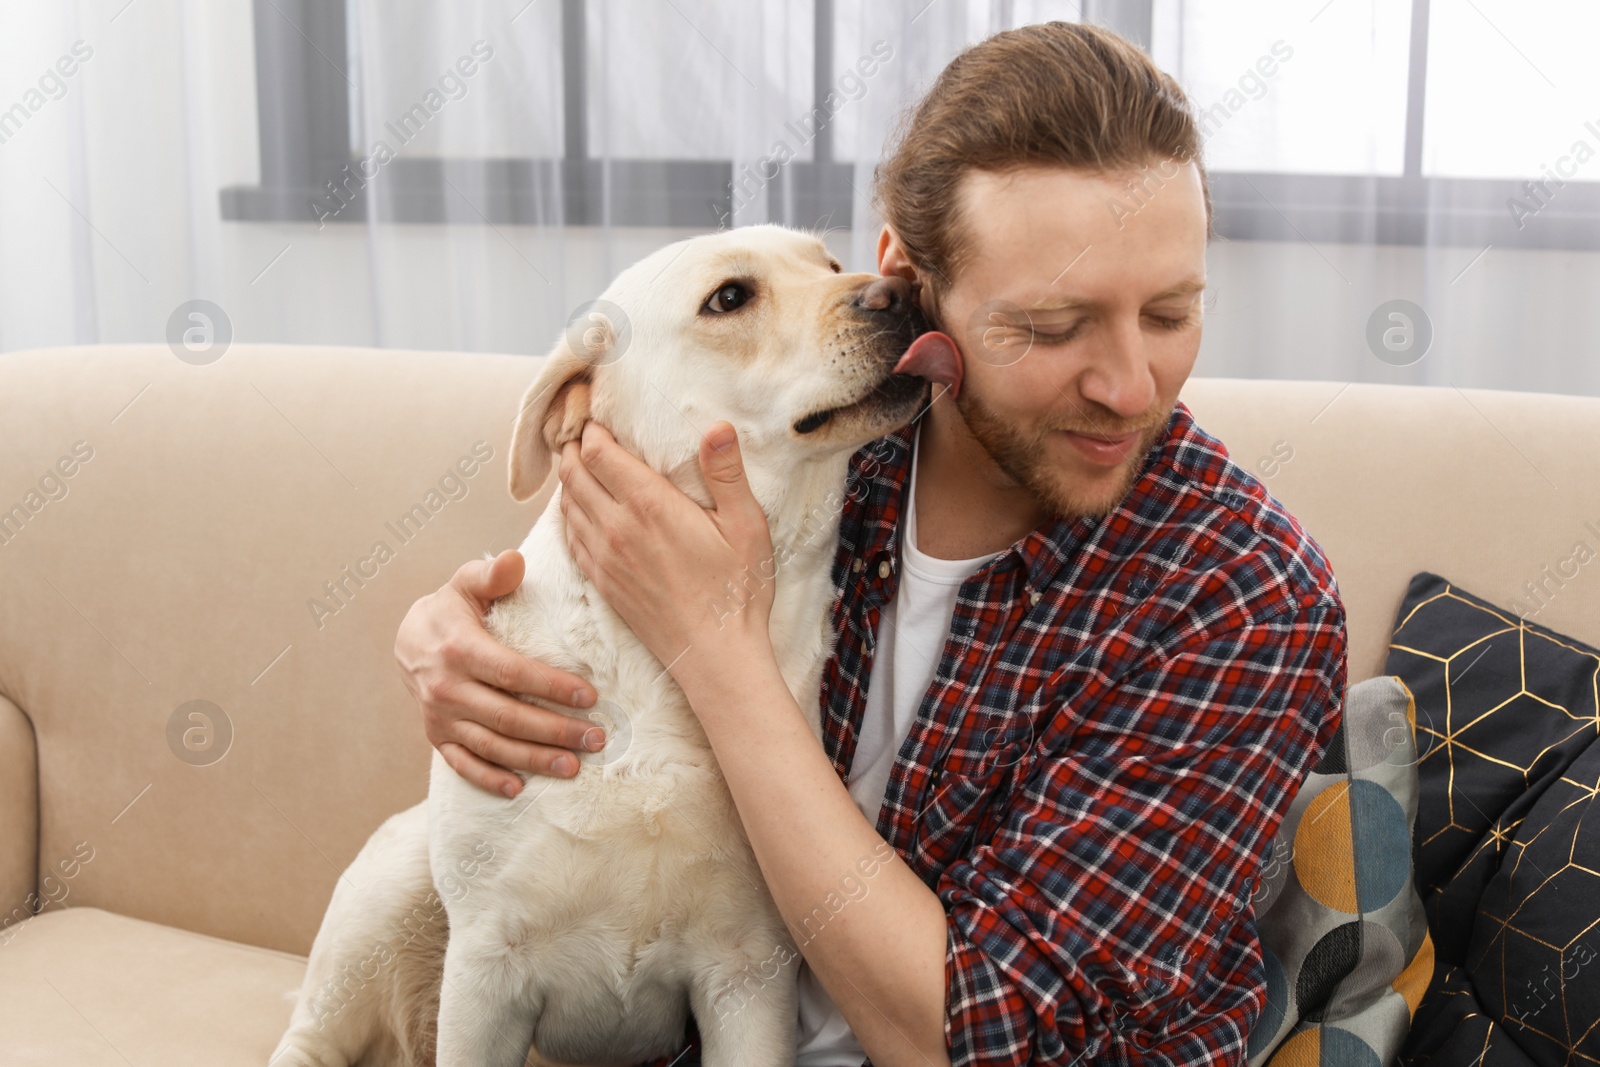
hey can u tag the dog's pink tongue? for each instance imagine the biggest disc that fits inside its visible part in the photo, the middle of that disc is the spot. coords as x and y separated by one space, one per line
933 356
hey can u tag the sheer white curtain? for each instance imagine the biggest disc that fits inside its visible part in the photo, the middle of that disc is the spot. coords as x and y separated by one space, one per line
1503 93
532 149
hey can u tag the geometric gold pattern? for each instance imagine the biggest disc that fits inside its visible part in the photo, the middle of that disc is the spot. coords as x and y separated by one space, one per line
1506 847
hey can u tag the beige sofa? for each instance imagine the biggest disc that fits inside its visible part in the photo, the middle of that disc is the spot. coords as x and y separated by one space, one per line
183 558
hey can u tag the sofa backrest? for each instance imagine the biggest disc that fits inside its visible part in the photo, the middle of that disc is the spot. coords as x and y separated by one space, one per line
1493 490
186 561
209 510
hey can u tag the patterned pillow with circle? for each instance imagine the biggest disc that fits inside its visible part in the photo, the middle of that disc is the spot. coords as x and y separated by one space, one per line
1507 837
1343 934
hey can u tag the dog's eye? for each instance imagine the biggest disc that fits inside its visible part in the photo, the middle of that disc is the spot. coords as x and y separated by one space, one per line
729 297
838 268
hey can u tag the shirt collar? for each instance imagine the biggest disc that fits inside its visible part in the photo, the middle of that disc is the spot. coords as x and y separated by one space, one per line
1041 553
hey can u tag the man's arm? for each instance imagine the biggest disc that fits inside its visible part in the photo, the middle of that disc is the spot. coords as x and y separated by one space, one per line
1111 909
880 952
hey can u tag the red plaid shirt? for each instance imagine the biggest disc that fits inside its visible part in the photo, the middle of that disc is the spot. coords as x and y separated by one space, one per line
1123 712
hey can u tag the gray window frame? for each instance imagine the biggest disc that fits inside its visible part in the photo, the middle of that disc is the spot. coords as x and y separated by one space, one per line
303 111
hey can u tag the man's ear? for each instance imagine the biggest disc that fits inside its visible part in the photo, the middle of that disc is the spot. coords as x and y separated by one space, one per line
553 412
895 261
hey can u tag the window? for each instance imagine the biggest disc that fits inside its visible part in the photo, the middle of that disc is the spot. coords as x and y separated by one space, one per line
1326 121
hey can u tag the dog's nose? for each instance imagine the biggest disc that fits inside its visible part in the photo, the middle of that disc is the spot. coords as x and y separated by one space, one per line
886 294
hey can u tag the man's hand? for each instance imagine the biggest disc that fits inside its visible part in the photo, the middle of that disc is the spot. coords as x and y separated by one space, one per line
694 584
463 680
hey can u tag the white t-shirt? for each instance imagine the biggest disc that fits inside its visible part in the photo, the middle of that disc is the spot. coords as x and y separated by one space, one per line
911 634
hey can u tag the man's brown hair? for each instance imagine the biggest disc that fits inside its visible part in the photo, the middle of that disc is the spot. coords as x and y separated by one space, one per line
1054 94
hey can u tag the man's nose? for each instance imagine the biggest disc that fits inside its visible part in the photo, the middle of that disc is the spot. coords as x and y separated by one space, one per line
1119 376
890 293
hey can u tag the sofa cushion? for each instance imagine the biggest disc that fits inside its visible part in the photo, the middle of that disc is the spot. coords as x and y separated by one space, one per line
19 817
1343 934
88 987
1506 721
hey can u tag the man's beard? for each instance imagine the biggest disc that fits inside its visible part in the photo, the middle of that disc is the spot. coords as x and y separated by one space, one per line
1024 457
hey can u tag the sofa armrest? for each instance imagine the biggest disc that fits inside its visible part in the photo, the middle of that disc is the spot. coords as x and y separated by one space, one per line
19 817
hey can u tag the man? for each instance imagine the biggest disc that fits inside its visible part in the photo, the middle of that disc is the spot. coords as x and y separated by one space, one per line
1083 663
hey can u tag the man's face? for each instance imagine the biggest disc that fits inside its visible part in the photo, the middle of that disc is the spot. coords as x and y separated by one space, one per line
1078 318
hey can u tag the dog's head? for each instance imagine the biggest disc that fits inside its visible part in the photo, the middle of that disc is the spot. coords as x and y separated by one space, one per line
757 326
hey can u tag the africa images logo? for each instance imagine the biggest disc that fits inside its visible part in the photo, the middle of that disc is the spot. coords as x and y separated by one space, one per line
353 177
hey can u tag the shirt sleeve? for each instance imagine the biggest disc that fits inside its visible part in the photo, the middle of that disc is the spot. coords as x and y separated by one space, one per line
1109 918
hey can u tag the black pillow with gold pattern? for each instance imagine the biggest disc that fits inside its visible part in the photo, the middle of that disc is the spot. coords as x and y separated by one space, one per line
1506 847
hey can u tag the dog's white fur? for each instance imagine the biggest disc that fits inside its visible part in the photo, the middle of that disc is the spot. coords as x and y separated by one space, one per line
586 916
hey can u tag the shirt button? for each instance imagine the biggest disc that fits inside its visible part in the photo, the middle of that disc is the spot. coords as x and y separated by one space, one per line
883 568
1033 597
856 565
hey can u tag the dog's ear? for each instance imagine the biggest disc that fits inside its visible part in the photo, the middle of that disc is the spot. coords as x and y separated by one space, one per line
553 412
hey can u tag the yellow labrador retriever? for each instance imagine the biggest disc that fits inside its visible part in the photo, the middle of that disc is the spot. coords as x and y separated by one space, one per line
582 921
